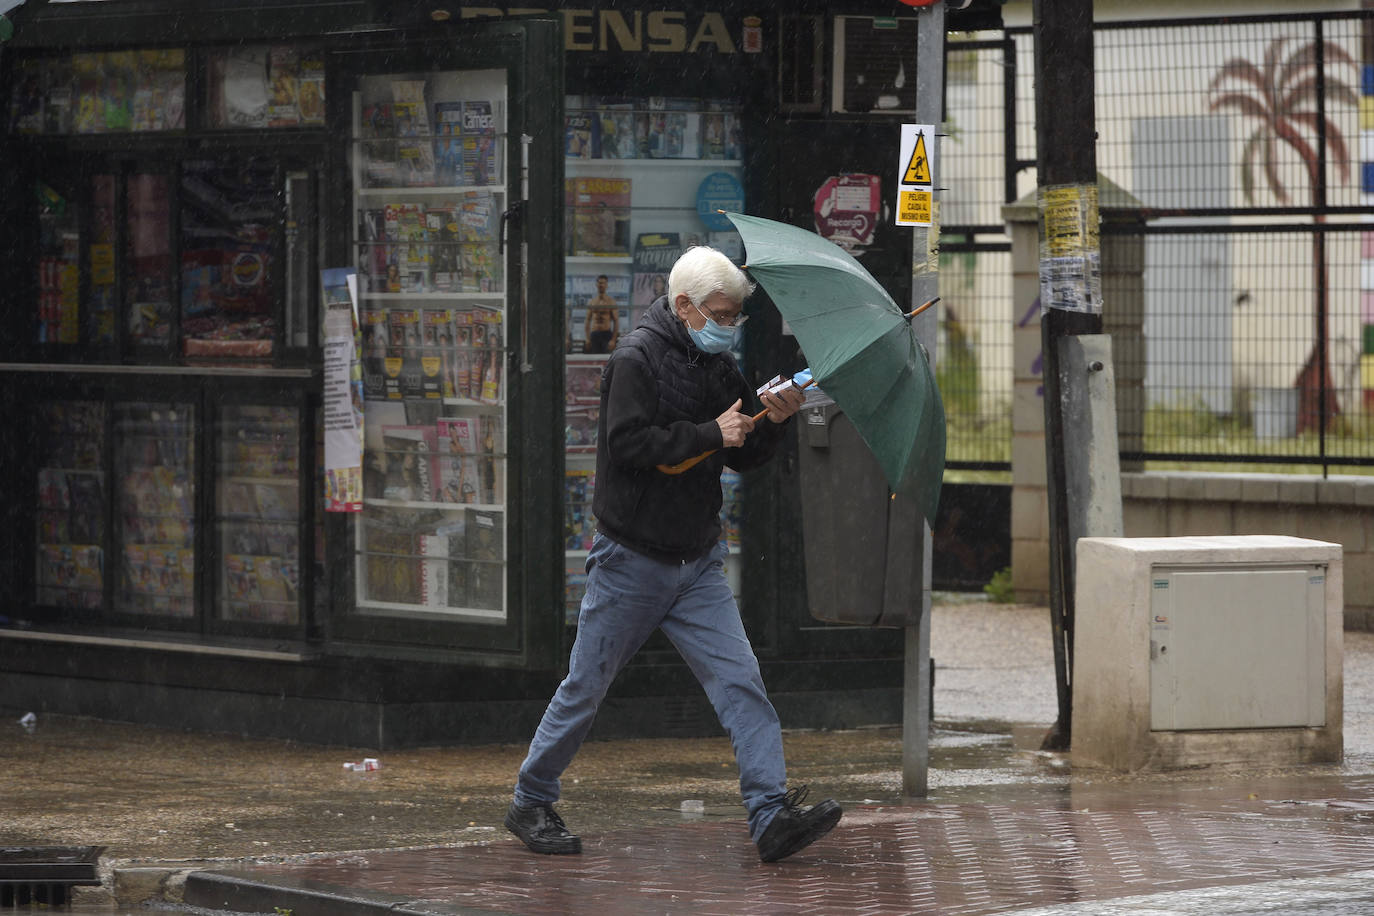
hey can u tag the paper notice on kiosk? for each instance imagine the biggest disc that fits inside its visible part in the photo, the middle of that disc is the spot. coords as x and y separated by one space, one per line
343 393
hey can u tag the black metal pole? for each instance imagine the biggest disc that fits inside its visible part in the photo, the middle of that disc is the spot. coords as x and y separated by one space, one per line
1325 395
1066 168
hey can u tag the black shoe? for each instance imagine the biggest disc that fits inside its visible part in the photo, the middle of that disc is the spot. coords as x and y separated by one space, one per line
541 829
794 828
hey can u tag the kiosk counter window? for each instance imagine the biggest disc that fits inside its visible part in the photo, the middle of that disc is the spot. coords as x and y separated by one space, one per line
157 345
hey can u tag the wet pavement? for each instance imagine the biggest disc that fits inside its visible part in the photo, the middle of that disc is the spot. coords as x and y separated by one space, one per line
201 823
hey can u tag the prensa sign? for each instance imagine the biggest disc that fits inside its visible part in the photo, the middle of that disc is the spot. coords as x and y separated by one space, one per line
644 31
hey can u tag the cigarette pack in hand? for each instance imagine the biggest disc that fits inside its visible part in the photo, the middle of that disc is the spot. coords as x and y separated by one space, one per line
815 397
777 384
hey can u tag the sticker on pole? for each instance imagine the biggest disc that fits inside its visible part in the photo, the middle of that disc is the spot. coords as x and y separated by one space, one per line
916 175
847 208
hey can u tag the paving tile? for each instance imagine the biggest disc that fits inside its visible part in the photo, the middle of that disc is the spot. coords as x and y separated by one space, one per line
956 859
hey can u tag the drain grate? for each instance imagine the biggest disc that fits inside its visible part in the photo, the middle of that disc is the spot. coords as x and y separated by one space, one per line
45 874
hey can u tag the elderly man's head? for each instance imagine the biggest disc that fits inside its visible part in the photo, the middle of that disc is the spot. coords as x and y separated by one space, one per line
705 284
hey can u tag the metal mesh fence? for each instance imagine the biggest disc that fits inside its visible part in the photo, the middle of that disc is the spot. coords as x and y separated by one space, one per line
974 363
1231 332
1241 142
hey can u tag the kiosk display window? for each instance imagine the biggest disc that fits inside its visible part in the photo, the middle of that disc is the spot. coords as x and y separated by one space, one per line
644 177
429 191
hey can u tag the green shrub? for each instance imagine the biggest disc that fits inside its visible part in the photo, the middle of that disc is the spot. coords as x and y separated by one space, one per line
1000 588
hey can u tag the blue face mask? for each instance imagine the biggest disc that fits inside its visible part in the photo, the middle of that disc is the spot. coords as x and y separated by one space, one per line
712 338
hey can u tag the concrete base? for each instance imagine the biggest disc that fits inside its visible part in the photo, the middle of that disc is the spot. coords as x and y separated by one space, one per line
1283 691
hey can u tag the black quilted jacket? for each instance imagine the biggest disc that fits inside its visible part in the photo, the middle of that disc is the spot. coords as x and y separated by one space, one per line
660 397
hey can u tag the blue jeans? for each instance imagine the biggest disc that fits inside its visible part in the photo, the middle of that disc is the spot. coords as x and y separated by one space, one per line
628 596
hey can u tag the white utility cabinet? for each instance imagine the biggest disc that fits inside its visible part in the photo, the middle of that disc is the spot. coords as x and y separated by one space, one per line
1237 647
1207 650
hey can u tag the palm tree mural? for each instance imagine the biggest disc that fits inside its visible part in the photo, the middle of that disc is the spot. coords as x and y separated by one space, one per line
1282 97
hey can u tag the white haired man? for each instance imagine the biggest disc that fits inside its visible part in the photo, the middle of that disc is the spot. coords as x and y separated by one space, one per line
671 391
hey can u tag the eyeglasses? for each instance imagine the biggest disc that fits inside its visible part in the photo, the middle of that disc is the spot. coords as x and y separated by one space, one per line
729 321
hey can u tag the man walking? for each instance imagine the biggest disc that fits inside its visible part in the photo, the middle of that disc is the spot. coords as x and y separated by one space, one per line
672 391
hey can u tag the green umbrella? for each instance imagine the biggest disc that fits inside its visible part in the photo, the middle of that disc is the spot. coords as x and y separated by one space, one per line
862 350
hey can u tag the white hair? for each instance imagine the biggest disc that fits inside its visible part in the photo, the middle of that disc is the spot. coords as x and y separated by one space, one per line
702 271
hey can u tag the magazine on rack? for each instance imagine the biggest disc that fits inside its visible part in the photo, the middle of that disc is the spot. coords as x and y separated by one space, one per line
404 373
378 132
713 135
599 311
481 163
654 257
413 233
582 384
615 130
414 146
464 358
410 453
70 575
486 380
283 95
312 91
241 77
373 250
52 489
276 580
485 554
458 472
579 429
674 128
491 451
731 507
374 351
579 127
433 569
579 525
448 143
445 264
436 351
600 215
87 508
392 573
479 267
477 218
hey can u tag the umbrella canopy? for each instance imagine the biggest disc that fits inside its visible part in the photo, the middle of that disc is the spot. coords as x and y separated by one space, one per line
861 348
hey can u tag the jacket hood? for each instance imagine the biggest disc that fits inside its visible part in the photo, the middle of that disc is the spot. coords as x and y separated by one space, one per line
663 321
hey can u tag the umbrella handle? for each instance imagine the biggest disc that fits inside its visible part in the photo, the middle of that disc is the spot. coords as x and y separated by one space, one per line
688 464
920 308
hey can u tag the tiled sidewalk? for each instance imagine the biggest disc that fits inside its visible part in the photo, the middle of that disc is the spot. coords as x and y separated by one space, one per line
1074 844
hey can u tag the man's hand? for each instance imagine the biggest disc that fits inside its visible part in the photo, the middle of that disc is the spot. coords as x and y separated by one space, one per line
734 426
781 406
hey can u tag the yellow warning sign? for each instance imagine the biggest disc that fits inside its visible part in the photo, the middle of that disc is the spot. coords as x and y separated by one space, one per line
918 166
913 207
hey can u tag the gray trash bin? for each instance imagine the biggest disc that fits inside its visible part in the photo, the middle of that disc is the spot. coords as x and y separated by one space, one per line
862 547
